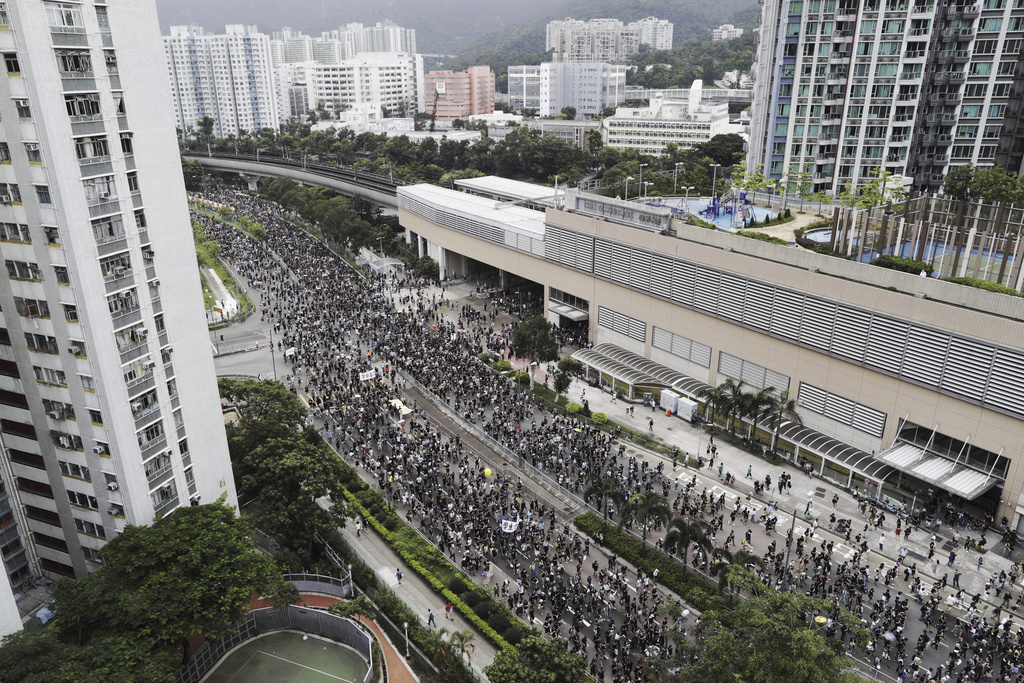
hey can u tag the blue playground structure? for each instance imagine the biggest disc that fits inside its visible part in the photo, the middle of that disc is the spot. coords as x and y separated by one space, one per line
731 211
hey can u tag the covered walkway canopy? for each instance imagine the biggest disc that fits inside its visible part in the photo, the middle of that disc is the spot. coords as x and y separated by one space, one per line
653 374
567 311
620 373
835 451
944 473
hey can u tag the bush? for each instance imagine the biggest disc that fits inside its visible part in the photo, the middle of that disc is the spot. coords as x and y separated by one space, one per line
522 377
499 622
600 418
585 409
762 237
355 486
503 366
904 265
457 586
513 635
375 510
984 284
485 357
483 610
573 407
390 523
471 598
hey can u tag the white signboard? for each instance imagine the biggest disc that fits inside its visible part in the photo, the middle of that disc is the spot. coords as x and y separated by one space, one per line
651 218
369 374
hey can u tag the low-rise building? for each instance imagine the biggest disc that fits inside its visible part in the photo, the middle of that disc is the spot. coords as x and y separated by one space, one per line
454 95
683 122
726 32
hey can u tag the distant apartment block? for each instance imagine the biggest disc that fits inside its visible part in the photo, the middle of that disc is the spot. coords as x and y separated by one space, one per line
384 80
459 94
605 40
289 46
726 32
226 76
650 129
551 86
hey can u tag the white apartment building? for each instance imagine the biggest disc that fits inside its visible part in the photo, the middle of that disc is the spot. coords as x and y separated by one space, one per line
551 86
383 80
605 40
683 122
332 47
106 376
843 87
384 36
726 32
291 89
227 77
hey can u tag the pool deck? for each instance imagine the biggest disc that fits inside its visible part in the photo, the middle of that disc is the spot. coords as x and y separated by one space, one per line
398 668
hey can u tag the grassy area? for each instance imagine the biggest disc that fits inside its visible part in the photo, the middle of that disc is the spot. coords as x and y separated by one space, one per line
208 298
207 255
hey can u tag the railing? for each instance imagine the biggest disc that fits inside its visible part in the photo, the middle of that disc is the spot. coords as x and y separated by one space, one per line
271 619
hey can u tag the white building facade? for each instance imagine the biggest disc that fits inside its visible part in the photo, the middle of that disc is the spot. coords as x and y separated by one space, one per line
726 32
551 86
650 129
227 77
384 80
605 40
101 306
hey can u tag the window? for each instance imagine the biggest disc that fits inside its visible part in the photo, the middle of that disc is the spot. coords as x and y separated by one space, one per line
70 469
976 90
991 24
23 270
119 102
43 194
96 417
83 105
962 151
89 528
14 232
992 132
74 62
11 62
32 308
41 343
108 229
101 18
88 384
110 59
133 179
64 16
966 132
32 152
23 110
123 303
140 220
980 69
1007 68
970 111
158 320
52 233
150 433
98 190
116 266
126 144
985 47
996 111
92 147
1011 47
50 376
82 500
183 447
71 313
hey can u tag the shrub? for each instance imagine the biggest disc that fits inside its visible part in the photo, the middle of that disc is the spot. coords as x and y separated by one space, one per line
503 366
599 418
483 610
585 409
984 284
762 237
904 265
390 523
513 635
457 586
375 510
522 376
485 357
499 622
471 598
573 407
354 486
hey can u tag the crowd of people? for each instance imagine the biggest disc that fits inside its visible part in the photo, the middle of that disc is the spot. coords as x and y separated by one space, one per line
333 325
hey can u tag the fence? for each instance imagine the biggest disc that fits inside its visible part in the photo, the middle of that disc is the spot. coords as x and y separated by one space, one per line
271 619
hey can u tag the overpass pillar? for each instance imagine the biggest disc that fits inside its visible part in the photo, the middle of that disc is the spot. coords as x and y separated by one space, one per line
252 180
419 246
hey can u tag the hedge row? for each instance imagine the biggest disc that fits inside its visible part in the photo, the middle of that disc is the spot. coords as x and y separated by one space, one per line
690 587
984 284
396 543
904 265
762 237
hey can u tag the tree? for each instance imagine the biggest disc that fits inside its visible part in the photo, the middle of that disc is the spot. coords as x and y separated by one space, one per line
533 341
359 606
191 573
205 127
644 507
757 405
570 366
728 566
958 182
608 491
562 383
269 409
994 185
536 660
461 645
683 533
736 400
782 408
715 401
192 170
570 113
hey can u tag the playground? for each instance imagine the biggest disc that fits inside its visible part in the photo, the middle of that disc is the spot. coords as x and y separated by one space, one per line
728 213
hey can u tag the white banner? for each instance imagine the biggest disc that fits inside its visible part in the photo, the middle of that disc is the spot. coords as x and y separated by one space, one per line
370 374
509 525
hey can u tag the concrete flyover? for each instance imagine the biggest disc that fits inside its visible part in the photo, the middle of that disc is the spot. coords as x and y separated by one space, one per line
380 190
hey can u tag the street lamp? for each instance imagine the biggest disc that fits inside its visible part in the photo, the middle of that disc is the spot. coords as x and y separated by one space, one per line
675 176
691 187
642 172
628 178
646 185
714 179
405 624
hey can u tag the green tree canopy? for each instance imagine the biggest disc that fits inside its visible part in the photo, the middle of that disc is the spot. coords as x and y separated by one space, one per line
533 340
536 660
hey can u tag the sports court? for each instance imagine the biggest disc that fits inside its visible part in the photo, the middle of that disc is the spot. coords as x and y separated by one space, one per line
289 657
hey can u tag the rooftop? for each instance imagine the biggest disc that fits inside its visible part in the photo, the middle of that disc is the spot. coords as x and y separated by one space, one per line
505 188
500 215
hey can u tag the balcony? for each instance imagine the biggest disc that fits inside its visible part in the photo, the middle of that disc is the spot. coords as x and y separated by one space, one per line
959 34
968 12
943 140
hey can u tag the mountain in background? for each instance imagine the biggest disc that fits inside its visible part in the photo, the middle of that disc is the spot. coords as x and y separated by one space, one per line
442 26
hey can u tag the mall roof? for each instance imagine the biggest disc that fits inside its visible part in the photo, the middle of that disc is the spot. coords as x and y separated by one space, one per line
504 216
506 189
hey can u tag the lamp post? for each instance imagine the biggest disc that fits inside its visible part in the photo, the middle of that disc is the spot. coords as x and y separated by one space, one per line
628 178
405 624
641 179
691 187
646 185
675 177
714 178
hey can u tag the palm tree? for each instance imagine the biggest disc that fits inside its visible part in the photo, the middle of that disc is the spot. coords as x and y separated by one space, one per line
683 533
607 490
782 408
758 405
461 643
645 506
437 646
714 401
726 563
736 400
